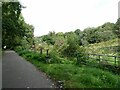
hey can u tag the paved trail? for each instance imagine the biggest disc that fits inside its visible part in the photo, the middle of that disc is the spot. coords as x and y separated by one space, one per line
19 73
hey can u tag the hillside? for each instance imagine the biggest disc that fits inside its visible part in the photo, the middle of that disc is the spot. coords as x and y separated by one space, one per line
109 47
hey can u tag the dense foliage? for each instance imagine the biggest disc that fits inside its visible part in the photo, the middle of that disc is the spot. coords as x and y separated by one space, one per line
71 75
90 35
66 59
69 43
117 28
14 28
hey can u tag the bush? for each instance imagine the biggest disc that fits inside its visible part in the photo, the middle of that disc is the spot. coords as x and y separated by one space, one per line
31 55
82 58
72 46
18 49
24 52
35 56
42 58
54 58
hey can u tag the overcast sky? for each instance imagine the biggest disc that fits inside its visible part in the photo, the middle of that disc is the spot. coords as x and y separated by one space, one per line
68 15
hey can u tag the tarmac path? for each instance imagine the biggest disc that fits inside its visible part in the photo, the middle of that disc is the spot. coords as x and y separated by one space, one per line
19 73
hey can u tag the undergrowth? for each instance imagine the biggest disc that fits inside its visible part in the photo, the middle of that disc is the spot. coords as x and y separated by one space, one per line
71 75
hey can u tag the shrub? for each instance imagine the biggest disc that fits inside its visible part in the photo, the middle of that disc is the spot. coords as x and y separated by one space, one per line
42 58
72 46
23 52
82 58
34 56
54 58
18 49
31 55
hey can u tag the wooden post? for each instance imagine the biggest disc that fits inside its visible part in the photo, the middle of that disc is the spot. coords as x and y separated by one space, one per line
115 60
33 47
99 59
47 56
40 50
118 61
77 59
88 55
47 52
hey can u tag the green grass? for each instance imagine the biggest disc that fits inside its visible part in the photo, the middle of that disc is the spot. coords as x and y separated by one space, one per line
72 75
79 77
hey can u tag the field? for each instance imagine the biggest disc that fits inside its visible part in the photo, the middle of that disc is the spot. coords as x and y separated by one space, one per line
109 47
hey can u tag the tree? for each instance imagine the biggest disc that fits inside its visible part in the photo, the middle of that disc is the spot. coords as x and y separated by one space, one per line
48 39
116 29
99 34
117 32
90 35
77 32
13 25
28 39
79 35
72 45
10 24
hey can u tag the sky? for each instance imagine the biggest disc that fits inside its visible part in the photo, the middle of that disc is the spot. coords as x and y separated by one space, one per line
68 15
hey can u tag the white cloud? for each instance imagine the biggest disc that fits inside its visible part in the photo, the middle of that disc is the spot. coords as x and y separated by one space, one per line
68 15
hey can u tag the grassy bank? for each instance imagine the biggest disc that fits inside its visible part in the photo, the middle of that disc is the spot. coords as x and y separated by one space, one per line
79 77
72 75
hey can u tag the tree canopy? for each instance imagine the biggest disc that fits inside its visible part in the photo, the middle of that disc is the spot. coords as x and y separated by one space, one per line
14 27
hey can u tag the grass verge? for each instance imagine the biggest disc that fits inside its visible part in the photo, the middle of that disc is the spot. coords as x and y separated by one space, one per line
74 76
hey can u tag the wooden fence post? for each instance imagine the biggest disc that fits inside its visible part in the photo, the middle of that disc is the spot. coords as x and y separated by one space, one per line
115 60
88 55
40 50
77 57
99 60
119 62
47 56
47 52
